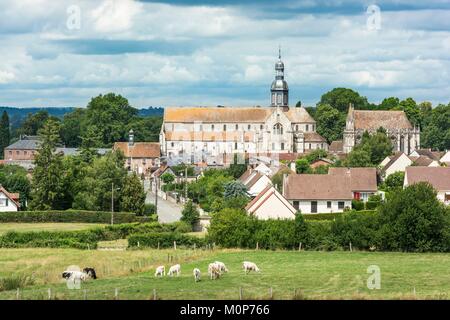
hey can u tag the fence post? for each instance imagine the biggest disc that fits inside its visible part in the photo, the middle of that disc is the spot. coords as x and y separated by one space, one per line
116 294
175 245
154 294
257 245
194 246
240 293
18 294
158 245
271 293
295 293
300 247
351 247
49 291
89 248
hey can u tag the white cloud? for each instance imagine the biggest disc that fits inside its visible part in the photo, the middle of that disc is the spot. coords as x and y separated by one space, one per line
115 15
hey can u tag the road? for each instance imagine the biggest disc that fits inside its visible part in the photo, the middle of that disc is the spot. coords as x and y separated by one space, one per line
167 211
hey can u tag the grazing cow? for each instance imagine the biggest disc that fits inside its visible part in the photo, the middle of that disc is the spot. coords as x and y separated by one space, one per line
75 276
90 272
249 266
160 271
175 269
197 274
221 266
214 271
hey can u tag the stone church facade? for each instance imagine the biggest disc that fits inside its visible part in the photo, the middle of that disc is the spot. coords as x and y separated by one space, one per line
404 136
213 135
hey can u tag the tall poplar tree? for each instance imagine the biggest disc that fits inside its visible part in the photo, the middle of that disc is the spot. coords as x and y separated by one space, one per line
5 135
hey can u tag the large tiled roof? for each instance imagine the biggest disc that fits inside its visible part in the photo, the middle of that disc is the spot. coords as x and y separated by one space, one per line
361 179
336 146
231 114
25 143
372 120
423 161
313 137
318 187
139 149
434 155
438 177
208 136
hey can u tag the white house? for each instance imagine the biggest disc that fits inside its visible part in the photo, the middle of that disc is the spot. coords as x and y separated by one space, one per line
438 177
446 159
398 162
270 204
332 192
8 201
255 181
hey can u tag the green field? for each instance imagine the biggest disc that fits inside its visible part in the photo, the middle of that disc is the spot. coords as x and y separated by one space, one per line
308 275
25 227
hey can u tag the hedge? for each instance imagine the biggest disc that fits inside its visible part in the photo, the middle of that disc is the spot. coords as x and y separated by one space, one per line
80 239
72 216
331 216
164 240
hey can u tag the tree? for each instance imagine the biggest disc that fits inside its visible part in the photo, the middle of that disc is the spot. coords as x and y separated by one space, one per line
235 189
72 128
90 139
358 157
302 166
237 169
340 99
394 182
132 197
414 220
34 122
412 110
5 134
278 178
99 179
14 179
47 183
389 103
167 178
316 155
330 122
190 213
109 114
371 151
436 128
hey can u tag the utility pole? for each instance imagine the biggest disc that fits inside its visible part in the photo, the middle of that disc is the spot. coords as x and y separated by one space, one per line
185 184
156 195
112 203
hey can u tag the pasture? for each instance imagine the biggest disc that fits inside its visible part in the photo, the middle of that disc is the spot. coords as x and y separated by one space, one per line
289 274
26 227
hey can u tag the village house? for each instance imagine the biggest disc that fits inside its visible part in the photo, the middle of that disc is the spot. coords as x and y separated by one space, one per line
270 204
445 159
438 177
395 163
140 157
255 181
9 202
332 192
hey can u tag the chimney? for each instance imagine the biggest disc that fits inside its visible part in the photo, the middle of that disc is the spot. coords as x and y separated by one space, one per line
131 138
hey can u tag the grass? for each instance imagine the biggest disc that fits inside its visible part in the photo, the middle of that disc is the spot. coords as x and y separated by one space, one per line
25 227
291 275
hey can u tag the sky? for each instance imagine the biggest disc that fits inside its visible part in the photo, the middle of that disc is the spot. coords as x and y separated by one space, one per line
211 52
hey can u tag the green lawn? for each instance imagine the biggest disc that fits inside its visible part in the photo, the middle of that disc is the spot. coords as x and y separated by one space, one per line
311 275
24 227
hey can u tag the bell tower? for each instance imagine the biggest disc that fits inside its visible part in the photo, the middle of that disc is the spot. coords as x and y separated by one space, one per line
279 90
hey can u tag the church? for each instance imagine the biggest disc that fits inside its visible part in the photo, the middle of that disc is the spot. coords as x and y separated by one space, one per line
213 135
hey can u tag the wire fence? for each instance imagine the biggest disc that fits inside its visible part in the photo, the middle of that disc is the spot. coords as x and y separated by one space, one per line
138 292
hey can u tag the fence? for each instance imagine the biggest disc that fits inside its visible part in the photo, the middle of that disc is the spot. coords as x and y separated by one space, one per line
140 292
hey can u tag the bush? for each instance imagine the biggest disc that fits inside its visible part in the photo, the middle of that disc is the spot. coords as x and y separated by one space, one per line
149 209
372 205
357 205
190 214
71 216
15 281
164 240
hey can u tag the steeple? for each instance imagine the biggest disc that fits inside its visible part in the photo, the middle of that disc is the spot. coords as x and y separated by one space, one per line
279 89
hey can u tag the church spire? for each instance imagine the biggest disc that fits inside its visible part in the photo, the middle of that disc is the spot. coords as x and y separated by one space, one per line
279 89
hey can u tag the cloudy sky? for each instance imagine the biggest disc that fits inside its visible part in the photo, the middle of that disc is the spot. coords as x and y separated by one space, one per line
208 52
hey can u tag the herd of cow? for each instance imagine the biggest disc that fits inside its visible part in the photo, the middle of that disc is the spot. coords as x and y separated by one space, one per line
215 271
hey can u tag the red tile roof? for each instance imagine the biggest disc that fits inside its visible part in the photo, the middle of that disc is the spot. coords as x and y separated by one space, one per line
438 177
139 149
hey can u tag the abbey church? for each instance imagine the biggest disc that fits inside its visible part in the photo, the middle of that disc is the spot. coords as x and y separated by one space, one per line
214 134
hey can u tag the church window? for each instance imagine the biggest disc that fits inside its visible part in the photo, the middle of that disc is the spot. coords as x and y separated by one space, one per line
307 127
237 127
212 127
279 99
261 127
278 129
224 127
282 146
296 127
235 145
309 146
172 144
249 127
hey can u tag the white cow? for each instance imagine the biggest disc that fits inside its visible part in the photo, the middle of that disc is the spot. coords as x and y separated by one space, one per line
214 271
197 274
249 266
174 269
160 271
221 266
75 276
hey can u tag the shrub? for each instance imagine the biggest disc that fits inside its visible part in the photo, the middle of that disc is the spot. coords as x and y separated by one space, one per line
357 205
149 209
164 240
71 216
372 205
190 214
